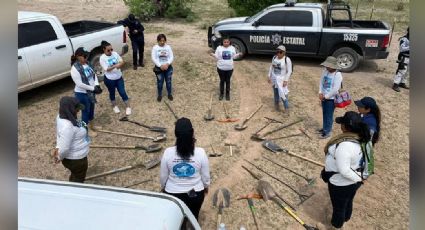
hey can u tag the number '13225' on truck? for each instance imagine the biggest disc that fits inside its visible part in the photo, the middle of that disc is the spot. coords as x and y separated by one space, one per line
306 30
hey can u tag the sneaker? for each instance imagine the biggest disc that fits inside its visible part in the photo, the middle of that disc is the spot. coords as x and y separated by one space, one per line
170 97
159 98
128 111
403 85
142 64
396 87
324 136
220 97
319 131
227 97
116 109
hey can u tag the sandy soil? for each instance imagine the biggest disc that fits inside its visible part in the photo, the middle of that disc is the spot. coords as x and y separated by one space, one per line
382 203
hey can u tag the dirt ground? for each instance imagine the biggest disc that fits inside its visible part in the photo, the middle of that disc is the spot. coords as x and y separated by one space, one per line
381 203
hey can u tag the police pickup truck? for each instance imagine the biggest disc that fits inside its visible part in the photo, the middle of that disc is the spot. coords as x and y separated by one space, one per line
306 30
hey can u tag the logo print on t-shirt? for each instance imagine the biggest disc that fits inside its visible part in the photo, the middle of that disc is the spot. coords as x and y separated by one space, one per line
227 55
327 81
183 170
277 69
112 61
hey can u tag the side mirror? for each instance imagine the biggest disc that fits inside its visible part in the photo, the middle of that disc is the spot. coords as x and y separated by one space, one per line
256 23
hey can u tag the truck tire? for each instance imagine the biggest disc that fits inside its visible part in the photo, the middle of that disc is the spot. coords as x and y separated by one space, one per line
347 59
94 61
239 47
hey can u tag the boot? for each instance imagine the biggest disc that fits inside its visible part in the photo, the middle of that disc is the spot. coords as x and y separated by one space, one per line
220 97
396 87
403 85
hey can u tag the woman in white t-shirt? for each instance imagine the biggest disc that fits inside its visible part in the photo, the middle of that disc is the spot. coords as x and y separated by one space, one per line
225 55
111 63
185 171
162 57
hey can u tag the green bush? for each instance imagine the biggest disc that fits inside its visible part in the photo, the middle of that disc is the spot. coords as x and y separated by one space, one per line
251 7
143 9
146 9
177 8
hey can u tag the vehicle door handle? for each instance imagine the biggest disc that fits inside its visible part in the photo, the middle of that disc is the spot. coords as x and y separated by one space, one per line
60 47
19 57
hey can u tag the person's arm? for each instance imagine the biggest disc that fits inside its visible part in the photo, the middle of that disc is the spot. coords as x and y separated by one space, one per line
205 171
171 56
120 60
288 69
154 57
404 47
105 65
335 86
76 77
64 141
216 53
164 171
343 161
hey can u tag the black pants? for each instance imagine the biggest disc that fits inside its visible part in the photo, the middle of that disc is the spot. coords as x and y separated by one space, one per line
225 76
78 169
138 47
342 202
194 203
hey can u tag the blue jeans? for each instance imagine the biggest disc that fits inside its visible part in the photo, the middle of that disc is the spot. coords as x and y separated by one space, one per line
276 98
116 84
328 107
88 113
165 75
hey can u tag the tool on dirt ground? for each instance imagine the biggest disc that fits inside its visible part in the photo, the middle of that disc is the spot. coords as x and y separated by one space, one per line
152 162
270 145
151 128
140 182
148 149
214 153
268 193
262 137
221 199
302 197
243 125
303 158
209 116
284 137
230 148
309 181
172 111
113 171
305 133
158 138
251 206
227 119
258 177
253 136
274 120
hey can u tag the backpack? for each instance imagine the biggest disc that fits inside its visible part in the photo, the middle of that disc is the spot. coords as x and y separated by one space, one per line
287 65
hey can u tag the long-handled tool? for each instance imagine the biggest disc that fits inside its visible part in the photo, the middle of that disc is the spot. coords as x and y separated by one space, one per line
262 137
221 199
268 193
303 158
148 149
158 138
214 153
151 128
270 145
274 120
254 135
172 111
251 205
284 137
137 183
309 181
243 125
107 173
230 148
302 197
305 133
209 116
258 177
228 118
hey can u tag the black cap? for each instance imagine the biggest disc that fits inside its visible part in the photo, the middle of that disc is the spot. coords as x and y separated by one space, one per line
183 127
81 52
350 118
367 102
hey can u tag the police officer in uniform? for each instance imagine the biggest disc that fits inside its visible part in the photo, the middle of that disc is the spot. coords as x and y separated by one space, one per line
403 63
135 31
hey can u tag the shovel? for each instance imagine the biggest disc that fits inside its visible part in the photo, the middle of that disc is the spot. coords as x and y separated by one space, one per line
172 111
209 116
262 138
152 162
243 125
221 198
148 149
158 138
151 128
254 136
227 119
268 193
271 146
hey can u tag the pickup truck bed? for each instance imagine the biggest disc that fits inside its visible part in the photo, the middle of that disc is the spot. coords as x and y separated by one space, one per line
360 24
82 27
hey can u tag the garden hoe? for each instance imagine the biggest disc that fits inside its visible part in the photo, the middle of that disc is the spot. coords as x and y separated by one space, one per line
227 119
151 128
268 193
221 199
310 181
172 111
243 126
209 116
158 138
148 149
263 137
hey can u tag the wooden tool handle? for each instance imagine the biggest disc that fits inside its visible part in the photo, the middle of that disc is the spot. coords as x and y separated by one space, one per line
252 114
124 134
113 147
305 158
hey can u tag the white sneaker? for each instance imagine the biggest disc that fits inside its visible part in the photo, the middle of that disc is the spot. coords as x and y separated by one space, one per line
128 111
116 109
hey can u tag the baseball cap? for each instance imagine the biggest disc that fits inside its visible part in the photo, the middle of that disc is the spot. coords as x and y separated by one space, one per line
349 118
281 47
81 52
367 102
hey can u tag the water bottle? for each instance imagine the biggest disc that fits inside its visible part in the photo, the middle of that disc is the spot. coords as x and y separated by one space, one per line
222 227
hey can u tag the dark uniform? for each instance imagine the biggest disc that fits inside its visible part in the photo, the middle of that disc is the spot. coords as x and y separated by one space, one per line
137 39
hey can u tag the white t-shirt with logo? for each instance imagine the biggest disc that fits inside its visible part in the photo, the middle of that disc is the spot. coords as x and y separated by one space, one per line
162 55
225 57
108 61
80 87
180 176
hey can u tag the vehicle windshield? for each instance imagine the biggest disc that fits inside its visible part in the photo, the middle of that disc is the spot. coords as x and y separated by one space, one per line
250 19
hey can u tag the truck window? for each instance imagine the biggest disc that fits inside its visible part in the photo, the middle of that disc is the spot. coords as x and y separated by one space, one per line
274 18
298 18
34 33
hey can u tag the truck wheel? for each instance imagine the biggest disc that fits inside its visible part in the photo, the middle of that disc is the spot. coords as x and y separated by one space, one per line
347 59
239 47
94 61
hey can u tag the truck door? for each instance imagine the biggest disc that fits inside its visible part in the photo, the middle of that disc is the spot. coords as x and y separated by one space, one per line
47 53
262 38
24 77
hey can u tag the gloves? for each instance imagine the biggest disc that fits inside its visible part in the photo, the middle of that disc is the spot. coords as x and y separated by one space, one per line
97 89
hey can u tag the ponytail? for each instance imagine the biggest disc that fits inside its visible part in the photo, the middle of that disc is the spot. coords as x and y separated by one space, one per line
73 59
363 131
104 44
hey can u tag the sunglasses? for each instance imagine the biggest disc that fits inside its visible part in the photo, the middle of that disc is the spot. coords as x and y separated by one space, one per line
109 50
280 52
